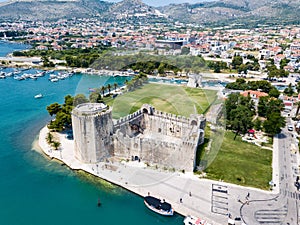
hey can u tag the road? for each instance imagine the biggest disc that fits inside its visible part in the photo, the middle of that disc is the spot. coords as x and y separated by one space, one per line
208 199
281 208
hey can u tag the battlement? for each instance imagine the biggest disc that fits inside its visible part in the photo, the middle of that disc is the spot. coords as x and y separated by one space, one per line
128 118
153 136
90 109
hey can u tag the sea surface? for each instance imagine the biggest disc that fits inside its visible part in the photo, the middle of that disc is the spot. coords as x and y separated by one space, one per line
37 191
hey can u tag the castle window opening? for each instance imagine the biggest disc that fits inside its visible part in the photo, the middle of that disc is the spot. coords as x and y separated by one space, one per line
159 130
145 111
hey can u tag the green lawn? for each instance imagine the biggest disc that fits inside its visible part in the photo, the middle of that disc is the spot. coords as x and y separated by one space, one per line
168 98
241 163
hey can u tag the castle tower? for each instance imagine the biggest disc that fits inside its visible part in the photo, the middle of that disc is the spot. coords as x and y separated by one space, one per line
92 129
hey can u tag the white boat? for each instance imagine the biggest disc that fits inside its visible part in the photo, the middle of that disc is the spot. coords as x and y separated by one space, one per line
18 78
192 220
38 96
9 74
54 80
158 206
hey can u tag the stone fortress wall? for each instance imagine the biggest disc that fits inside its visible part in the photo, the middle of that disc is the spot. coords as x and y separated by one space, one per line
159 138
155 137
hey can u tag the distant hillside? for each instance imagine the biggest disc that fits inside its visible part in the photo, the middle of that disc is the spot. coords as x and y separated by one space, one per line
133 10
227 11
221 12
40 10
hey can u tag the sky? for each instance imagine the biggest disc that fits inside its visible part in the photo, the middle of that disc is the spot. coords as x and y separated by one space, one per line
156 2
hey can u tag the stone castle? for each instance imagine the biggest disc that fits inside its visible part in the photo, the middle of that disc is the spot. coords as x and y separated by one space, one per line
148 135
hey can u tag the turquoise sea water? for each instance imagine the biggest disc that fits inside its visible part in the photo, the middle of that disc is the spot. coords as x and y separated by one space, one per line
8 47
35 190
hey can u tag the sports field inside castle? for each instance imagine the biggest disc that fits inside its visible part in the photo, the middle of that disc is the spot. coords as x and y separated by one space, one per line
173 99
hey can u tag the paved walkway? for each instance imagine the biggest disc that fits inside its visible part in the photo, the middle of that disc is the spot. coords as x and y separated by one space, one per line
210 200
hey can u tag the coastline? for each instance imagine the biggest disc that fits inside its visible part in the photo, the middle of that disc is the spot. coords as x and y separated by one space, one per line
137 178
123 174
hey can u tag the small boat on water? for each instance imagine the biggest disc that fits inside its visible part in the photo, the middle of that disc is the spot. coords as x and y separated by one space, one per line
38 96
158 206
192 220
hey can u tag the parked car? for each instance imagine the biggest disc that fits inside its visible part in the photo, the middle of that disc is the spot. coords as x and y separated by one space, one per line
290 128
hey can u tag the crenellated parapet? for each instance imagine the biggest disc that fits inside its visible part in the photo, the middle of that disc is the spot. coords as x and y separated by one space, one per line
156 137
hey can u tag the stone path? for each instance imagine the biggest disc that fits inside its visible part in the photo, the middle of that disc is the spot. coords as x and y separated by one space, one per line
200 197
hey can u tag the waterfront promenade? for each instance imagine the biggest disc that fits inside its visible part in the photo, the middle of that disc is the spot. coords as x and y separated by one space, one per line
210 200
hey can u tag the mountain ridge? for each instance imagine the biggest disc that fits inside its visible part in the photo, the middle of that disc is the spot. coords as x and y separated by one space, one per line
202 13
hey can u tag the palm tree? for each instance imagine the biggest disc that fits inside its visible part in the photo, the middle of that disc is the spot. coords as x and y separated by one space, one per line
115 86
56 145
298 103
298 108
49 138
108 87
298 87
103 88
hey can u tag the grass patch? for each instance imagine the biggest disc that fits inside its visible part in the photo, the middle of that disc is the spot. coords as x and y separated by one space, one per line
241 163
167 98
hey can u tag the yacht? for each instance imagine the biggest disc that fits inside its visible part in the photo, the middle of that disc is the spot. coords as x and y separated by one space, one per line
158 206
38 96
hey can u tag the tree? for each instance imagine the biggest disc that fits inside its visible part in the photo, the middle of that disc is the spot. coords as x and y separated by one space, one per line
274 123
79 99
289 91
69 100
49 138
274 93
185 51
95 97
262 106
53 108
109 88
298 103
243 68
237 61
257 124
298 88
242 121
284 62
231 104
115 86
298 108
274 105
161 68
56 145
239 113
217 68
267 105
103 89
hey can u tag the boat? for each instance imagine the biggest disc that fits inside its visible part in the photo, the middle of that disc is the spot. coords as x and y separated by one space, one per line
54 80
192 220
38 96
158 206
